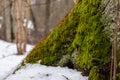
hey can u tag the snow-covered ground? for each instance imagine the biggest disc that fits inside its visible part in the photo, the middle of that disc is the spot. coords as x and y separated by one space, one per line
9 62
9 59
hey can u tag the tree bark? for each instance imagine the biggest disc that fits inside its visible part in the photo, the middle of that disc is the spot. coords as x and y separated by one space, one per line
47 16
7 19
116 19
20 32
27 17
111 66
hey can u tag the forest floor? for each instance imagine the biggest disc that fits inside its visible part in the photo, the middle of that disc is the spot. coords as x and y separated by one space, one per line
9 60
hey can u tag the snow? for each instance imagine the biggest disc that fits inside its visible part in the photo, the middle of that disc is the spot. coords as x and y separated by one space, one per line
1 17
9 59
33 2
29 25
8 49
41 72
9 62
0 25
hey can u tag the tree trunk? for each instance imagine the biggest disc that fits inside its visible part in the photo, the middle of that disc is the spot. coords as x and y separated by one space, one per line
79 40
111 66
47 17
116 19
7 19
20 32
27 17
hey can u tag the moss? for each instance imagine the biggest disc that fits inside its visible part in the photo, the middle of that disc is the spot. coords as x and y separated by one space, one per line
118 76
56 43
95 75
80 32
90 39
118 70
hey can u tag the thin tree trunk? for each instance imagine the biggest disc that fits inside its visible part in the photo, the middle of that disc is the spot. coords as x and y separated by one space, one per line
47 16
7 19
27 16
111 67
13 16
20 35
116 15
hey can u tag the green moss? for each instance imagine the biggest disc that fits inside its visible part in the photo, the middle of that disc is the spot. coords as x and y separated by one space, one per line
90 39
82 31
118 76
95 75
118 71
55 45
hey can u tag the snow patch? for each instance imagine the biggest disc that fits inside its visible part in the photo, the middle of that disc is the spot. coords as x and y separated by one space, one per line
1 18
41 72
9 59
29 25
33 2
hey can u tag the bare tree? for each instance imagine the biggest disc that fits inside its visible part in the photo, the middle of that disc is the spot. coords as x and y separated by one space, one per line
27 17
20 31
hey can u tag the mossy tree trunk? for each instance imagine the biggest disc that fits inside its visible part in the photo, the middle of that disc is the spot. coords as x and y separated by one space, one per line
80 38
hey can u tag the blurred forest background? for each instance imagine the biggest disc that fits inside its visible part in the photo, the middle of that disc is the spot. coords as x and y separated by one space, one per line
39 17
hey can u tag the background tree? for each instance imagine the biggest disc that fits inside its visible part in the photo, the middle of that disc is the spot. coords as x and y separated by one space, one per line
45 19
20 34
7 19
46 14
38 16
21 31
